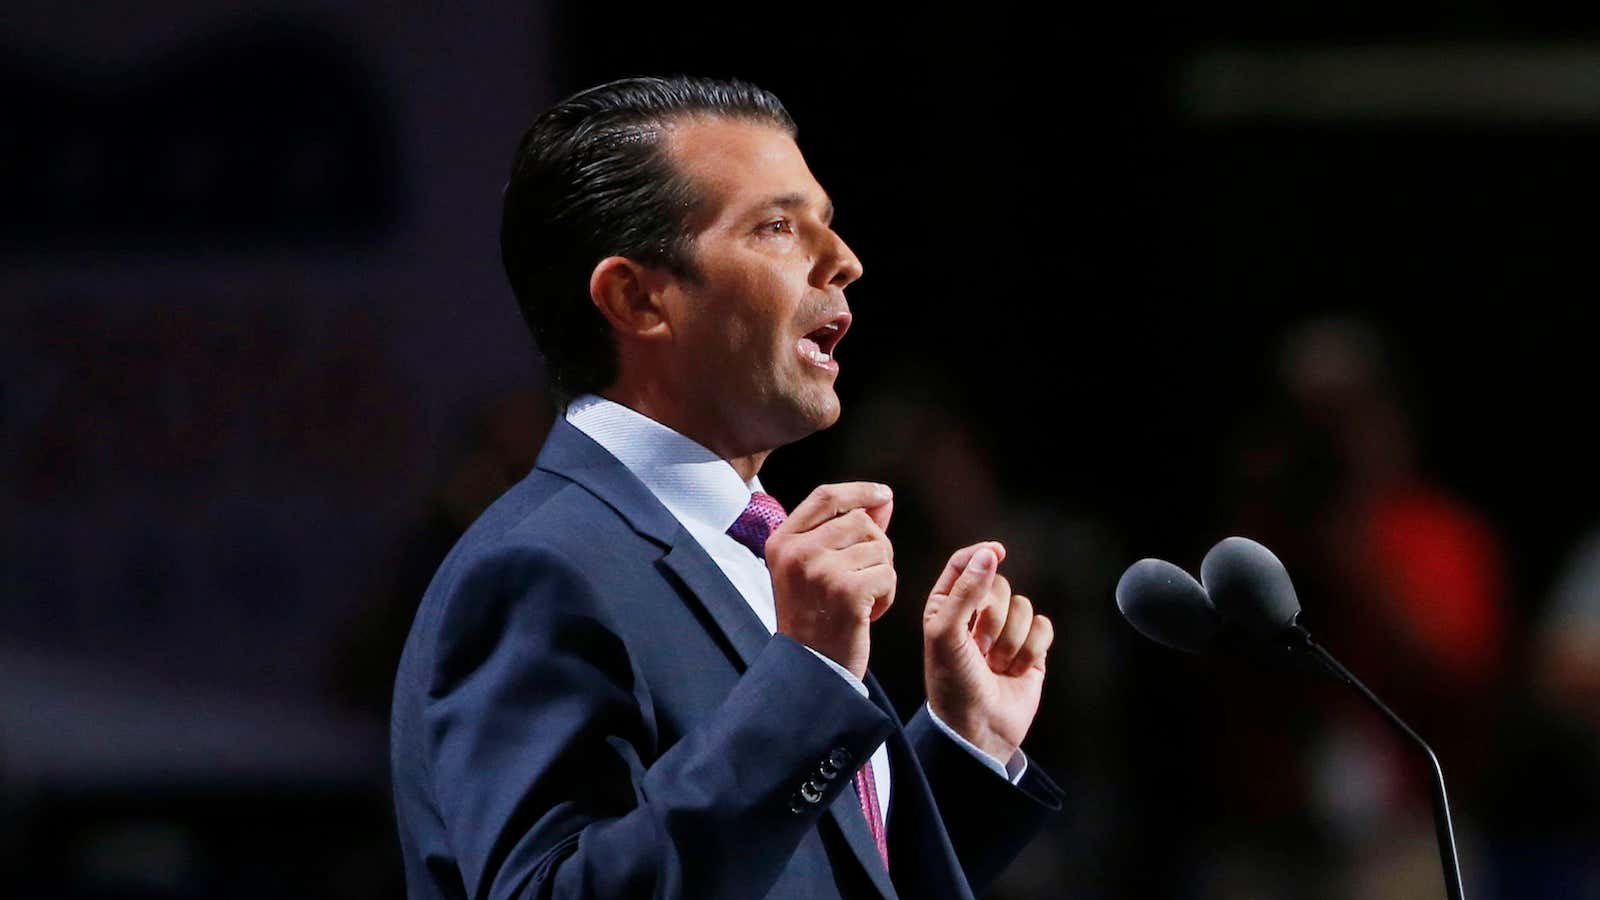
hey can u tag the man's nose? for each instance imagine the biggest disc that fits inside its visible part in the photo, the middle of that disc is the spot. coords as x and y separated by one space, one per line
837 264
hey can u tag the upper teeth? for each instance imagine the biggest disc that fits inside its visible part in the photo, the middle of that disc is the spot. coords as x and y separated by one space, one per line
816 353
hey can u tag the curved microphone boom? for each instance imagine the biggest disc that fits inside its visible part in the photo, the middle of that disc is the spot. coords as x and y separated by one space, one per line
1249 587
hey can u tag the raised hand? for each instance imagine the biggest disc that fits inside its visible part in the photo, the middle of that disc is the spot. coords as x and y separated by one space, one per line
833 570
984 652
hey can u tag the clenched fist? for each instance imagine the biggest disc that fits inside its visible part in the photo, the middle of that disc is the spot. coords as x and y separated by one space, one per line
833 570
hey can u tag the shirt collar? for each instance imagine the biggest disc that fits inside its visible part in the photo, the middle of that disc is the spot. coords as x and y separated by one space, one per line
692 482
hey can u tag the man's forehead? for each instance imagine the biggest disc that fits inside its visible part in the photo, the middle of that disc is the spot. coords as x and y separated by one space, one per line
743 163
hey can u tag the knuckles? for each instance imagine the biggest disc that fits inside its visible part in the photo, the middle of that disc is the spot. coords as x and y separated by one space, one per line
812 568
859 525
827 495
777 549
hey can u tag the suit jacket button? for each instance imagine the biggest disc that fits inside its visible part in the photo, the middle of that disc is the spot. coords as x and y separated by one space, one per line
795 805
827 771
809 793
839 759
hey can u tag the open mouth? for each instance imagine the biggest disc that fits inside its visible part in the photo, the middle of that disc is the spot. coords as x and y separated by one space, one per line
817 345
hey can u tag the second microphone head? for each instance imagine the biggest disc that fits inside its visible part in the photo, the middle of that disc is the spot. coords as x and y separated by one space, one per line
1250 587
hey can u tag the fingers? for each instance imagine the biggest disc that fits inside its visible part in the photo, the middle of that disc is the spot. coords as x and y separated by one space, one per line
865 555
958 564
833 500
1041 634
972 587
1003 625
851 528
879 583
881 514
832 570
992 616
880 605
1018 625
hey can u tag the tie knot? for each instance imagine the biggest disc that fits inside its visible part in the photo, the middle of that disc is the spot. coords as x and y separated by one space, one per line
760 518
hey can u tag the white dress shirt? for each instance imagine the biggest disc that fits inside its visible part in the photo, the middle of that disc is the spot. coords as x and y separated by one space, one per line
706 495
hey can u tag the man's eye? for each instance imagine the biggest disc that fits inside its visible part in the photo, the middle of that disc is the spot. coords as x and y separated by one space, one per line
777 226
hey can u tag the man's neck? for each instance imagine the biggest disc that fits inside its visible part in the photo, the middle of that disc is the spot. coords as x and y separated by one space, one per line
747 465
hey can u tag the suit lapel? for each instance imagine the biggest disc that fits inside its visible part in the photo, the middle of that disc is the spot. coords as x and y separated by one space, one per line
720 599
575 456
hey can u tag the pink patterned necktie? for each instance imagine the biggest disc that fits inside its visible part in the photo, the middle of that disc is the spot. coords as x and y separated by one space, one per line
867 793
760 518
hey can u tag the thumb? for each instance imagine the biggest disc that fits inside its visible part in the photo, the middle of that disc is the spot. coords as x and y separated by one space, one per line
968 593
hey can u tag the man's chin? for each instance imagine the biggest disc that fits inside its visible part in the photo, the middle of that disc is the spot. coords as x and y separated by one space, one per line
830 415
817 413
825 412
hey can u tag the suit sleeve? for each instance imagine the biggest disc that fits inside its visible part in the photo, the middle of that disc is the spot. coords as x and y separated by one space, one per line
543 757
989 819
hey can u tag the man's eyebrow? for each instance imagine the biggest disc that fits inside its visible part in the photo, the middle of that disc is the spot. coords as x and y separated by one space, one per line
796 200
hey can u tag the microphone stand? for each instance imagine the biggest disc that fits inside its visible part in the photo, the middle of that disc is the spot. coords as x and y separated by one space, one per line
1444 831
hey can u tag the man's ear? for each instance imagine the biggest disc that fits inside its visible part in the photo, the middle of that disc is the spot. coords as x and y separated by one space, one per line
626 293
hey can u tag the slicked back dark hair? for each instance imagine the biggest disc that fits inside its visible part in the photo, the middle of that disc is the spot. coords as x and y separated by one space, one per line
591 179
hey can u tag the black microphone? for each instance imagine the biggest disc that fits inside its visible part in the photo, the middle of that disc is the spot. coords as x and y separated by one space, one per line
1165 604
1249 587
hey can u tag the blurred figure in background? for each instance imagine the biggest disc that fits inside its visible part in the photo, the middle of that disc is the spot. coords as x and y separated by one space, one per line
1544 801
1568 639
1404 582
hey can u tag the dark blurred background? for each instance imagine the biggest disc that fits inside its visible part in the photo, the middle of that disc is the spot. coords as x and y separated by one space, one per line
1137 279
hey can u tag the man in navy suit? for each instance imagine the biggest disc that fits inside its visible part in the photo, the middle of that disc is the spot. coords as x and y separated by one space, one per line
636 675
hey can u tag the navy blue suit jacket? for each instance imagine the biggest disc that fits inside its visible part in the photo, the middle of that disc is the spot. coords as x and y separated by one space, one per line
586 707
